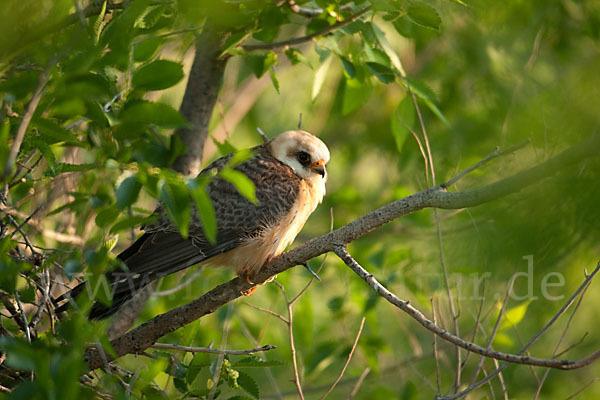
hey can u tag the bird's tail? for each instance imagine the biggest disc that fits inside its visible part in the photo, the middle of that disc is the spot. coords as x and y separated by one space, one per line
122 290
121 285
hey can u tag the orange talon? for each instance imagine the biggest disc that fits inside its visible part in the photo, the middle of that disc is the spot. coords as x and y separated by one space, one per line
249 292
269 280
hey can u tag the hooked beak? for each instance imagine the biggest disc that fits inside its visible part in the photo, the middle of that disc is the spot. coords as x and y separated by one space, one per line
319 168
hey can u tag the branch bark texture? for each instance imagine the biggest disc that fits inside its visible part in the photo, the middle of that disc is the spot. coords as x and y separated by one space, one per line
199 100
142 337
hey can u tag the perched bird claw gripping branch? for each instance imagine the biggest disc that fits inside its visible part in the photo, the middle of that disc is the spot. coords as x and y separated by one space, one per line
289 175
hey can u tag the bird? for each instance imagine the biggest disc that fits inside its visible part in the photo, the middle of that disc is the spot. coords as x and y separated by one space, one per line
289 173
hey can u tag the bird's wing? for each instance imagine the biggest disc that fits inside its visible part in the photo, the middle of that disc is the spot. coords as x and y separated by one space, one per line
162 250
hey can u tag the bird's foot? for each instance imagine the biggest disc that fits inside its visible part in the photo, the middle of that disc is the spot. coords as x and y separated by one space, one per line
246 274
249 292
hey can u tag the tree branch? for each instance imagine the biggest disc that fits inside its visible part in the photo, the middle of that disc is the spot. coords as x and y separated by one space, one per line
441 332
176 347
140 338
16 145
303 39
199 100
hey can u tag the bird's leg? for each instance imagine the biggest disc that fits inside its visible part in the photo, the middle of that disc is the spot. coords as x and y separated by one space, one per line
313 273
246 274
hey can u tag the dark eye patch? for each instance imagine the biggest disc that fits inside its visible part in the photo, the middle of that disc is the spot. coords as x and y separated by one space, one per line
304 158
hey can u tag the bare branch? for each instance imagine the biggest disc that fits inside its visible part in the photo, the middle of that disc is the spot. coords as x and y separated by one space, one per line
581 363
496 153
359 382
189 349
560 340
31 107
444 334
362 323
273 313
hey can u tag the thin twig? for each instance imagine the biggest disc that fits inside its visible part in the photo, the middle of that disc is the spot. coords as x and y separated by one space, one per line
436 356
45 297
496 153
27 331
341 252
304 11
572 364
273 313
560 340
362 323
262 135
291 337
16 145
587 385
217 374
261 355
421 149
438 225
359 382
303 39
182 285
190 349
315 275
494 329
477 323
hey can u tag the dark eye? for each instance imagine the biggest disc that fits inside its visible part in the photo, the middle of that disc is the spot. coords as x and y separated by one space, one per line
303 157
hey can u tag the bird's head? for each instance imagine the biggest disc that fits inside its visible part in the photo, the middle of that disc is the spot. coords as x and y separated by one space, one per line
306 154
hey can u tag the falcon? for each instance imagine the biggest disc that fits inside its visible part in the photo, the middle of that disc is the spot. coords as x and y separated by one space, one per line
289 175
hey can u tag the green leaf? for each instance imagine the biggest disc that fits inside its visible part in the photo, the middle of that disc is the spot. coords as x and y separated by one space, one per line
127 223
383 73
157 75
205 210
356 94
375 55
200 361
4 135
176 197
107 216
231 43
349 68
296 57
180 385
52 132
240 157
159 114
320 77
147 48
404 115
254 361
248 384
427 95
128 191
261 64
241 182
387 48
99 22
424 15
513 316
20 354
274 79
